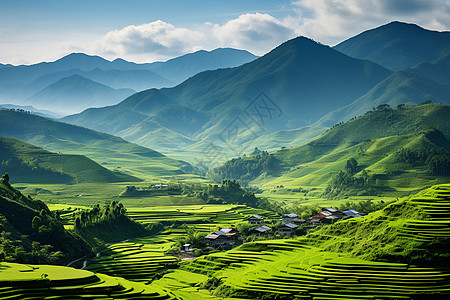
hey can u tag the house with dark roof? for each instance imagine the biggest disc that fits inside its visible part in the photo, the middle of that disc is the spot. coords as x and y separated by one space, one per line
225 237
287 229
255 220
287 218
351 213
261 230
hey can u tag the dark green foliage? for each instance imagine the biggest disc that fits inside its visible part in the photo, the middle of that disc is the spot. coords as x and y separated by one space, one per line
107 224
194 237
345 181
246 168
366 206
437 161
230 192
429 120
35 234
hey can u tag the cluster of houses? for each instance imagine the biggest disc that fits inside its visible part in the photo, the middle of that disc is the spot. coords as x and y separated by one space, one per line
230 237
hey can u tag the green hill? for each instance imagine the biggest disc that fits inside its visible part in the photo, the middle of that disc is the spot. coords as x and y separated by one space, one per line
33 234
374 140
397 45
28 163
110 151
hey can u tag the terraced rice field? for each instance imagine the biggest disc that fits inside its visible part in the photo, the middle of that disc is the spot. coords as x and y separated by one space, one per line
18 281
293 268
138 260
203 216
435 202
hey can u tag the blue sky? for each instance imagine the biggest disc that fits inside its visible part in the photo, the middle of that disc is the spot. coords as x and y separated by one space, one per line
146 30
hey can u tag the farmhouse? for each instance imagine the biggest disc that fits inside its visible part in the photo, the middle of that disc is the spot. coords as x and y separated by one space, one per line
287 229
351 213
261 230
288 218
255 220
225 237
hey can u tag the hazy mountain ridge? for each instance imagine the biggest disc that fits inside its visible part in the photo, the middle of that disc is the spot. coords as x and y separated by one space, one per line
18 83
76 93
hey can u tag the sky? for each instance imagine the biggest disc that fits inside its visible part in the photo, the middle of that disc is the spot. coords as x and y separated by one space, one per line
33 31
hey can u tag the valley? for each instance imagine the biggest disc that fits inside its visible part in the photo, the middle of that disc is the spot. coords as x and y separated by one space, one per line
309 172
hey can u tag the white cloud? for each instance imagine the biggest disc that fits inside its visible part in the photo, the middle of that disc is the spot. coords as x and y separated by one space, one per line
331 21
153 40
257 32
326 21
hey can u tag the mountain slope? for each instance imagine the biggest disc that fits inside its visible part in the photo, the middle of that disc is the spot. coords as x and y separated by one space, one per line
438 70
27 163
76 93
397 45
400 87
110 151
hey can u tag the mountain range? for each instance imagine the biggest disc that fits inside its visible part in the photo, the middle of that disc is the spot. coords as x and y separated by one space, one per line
26 84
284 98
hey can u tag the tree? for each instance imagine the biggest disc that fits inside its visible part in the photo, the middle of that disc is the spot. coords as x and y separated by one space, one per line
5 177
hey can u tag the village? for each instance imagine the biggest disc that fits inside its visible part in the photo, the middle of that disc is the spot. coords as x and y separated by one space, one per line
228 238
